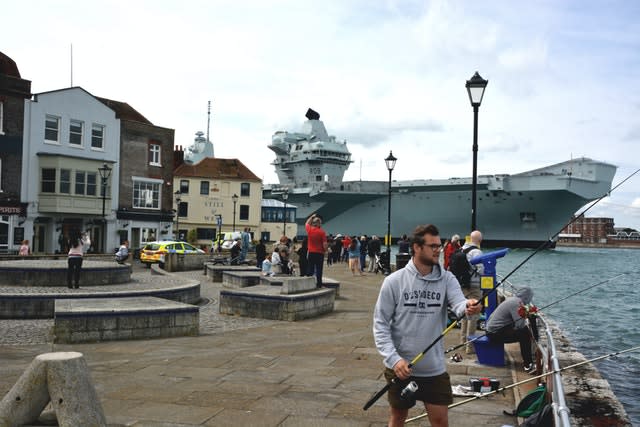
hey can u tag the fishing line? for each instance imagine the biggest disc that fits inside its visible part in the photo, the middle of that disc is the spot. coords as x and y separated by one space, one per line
416 359
537 377
541 308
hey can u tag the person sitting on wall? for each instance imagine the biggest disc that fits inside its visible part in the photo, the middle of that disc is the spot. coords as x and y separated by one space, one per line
123 252
235 252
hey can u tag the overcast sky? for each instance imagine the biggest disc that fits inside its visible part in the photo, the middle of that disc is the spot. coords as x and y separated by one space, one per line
384 75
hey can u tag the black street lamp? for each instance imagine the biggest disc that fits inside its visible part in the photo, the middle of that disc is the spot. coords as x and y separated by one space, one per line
391 163
105 174
235 200
285 196
178 196
475 88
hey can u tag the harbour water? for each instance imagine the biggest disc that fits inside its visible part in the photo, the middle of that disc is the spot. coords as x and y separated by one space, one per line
599 321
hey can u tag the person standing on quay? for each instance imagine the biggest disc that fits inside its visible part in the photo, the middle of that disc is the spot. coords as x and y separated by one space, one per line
24 248
77 243
468 323
317 245
261 253
410 315
450 248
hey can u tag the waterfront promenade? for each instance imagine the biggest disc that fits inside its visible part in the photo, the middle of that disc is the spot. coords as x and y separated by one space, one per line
252 372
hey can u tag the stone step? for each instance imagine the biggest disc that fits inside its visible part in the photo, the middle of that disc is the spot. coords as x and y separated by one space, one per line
100 319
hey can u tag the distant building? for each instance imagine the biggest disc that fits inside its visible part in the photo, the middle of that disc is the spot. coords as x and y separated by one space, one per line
204 198
145 198
70 140
273 220
587 230
13 91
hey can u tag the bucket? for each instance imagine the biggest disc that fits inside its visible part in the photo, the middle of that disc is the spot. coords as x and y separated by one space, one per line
488 353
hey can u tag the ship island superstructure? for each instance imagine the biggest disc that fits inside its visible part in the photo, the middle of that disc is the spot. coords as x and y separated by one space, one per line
518 210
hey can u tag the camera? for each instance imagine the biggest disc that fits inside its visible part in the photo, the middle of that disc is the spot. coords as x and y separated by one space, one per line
409 391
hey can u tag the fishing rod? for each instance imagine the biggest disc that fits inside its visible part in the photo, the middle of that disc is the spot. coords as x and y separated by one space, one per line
537 377
544 245
449 350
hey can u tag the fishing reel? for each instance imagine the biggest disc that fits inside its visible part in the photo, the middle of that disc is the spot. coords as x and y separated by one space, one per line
409 391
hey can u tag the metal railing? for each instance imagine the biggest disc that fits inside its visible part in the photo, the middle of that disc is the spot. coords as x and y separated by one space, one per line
560 409
550 365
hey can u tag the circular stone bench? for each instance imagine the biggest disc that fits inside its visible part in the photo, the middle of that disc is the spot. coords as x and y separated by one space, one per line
216 271
18 302
33 272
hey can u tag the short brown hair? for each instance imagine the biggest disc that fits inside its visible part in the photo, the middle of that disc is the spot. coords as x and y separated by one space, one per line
418 234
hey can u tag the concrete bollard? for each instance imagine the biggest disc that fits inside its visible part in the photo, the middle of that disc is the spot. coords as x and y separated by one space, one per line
27 398
61 377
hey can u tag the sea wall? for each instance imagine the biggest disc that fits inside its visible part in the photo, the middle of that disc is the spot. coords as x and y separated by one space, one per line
588 395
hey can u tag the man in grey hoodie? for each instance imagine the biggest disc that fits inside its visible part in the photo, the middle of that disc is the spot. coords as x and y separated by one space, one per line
505 325
410 314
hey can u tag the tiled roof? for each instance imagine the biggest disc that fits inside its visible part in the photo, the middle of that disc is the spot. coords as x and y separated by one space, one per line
124 111
216 168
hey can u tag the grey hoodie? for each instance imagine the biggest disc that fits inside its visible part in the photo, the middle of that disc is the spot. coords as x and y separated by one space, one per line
411 313
506 314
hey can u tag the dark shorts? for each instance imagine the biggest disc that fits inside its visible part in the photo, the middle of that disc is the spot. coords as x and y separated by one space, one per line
435 390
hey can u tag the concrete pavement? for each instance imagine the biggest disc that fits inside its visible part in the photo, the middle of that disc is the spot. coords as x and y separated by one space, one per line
254 372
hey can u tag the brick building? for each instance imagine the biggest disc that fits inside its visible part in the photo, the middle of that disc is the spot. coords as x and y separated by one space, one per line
13 91
145 198
587 230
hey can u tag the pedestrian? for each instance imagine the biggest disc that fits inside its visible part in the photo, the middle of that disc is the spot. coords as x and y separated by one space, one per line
354 256
246 240
374 252
123 252
449 248
409 316
508 324
24 248
469 323
403 245
317 246
303 263
261 253
77 242
364 244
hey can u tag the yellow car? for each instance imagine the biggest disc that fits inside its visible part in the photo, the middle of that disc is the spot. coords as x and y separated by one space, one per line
153 252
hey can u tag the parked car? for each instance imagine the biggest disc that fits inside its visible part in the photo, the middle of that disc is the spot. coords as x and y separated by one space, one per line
154 252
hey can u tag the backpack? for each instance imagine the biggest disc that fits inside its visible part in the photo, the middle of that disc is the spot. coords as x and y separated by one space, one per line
531 403
460 267
542 418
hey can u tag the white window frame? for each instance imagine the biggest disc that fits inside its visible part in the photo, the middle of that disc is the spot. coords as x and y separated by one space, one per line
72 133
155 151
141 188
102 128
50 117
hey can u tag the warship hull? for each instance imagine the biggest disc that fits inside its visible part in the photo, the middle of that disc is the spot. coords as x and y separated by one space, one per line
521 210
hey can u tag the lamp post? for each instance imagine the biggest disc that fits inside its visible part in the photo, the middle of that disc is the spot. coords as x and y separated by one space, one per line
178 196
105 173
391 163
235 200
475 88
285 196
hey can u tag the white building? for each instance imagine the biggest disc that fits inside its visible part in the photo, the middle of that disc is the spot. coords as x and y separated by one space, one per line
69 135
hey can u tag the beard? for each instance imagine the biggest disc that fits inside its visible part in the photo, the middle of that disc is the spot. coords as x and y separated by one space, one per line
427 260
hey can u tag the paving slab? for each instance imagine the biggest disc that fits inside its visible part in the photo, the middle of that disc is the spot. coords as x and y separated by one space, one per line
253 372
